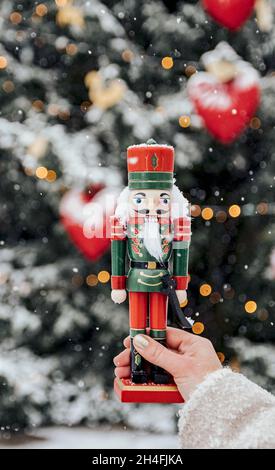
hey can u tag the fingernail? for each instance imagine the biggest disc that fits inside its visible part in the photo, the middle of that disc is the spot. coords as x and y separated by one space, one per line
140 341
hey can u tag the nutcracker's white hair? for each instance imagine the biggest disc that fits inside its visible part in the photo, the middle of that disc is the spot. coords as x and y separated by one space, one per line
179 205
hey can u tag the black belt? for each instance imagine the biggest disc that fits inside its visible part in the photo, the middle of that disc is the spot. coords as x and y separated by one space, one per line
148 265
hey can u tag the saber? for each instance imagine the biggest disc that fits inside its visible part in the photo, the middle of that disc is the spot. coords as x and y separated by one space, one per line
169 288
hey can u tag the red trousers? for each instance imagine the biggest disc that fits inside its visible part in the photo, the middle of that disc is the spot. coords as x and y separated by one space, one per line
139 311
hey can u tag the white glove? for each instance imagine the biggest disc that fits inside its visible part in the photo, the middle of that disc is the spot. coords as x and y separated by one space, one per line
182 296
118 295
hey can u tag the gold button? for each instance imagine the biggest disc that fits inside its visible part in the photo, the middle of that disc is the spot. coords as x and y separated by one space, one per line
152 265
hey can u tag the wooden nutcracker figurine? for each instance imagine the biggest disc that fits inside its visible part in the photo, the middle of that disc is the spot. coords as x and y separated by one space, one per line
152 225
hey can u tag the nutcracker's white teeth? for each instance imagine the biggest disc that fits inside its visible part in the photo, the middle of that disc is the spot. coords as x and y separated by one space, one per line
152 218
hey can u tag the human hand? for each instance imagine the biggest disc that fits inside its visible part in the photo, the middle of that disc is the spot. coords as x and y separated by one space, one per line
188 358
118 295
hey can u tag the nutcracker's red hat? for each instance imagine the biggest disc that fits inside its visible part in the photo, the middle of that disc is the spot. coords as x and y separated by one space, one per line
150 166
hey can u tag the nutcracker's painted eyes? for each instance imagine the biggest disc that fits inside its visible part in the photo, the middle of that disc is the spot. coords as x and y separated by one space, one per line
138 198
164 199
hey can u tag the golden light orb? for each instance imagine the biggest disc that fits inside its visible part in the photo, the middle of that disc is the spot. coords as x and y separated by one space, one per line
41 172
3 62
167 63
51 176
221 356
91 280
250 306
205 290
234 210
184 121
103 276
195 210
184 303
15 17
198 328
207 213
41 9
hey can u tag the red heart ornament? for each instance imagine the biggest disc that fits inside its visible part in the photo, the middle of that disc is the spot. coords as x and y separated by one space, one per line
229 13
86 218
226 108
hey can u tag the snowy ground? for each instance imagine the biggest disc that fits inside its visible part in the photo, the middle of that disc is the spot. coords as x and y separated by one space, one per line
84 438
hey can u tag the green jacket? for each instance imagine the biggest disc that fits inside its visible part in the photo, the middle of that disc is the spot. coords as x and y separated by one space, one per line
175 247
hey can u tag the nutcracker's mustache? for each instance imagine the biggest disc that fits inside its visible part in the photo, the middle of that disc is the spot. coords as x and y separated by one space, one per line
147 211
152 238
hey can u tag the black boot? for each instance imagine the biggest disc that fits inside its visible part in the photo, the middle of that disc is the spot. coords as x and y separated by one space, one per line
159 375
138 366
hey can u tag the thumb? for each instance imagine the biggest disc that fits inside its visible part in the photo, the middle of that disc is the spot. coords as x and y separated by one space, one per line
156 353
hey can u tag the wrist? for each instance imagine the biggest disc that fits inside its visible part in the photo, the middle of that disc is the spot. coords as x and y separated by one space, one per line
118 282
181 282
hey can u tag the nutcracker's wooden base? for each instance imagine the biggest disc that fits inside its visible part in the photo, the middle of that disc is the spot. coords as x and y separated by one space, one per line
129 392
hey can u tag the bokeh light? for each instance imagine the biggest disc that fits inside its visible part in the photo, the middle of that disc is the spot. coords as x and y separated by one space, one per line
184 121
250 306
15 17
205 290
41 9
234 210
127 55
190 70
221 357
262 208
3 62
198 328
91 280
167 63
51 176
255 123
195 210
184 303
8 86
103 276
207 213
221 217
41 172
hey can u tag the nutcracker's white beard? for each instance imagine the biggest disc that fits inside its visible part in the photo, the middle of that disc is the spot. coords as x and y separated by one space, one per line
151 232
152 238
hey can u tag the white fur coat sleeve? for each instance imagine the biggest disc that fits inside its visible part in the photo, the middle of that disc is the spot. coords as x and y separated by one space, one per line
228 411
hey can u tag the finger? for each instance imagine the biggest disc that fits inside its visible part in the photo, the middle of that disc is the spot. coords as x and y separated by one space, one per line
157 354
122 372
123 358
126 342
176 337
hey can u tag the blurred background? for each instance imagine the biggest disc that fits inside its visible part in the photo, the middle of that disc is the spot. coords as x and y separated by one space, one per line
79 82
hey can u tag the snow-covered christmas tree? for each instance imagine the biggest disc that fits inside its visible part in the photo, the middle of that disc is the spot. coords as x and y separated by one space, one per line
80 81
